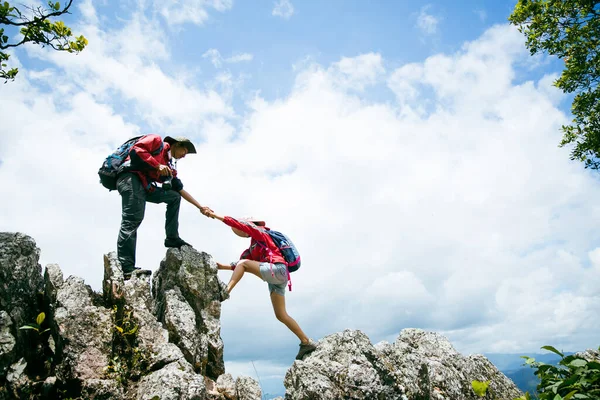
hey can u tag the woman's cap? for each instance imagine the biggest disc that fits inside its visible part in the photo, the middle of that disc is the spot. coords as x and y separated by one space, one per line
255 221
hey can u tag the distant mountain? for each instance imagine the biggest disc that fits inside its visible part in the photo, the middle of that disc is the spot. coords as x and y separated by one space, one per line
509 362
524 378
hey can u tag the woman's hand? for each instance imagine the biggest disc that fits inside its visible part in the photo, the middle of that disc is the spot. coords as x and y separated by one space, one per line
206 211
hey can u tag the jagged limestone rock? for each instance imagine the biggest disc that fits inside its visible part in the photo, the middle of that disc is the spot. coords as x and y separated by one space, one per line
428 365
152 337
226 386
16 373
188 277
344 365
102 389
419 365
7 343
247 388
53 280
84 343
180 320
84 333
20 285
175 381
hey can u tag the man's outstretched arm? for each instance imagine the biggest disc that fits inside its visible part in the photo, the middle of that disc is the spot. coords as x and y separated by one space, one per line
190 199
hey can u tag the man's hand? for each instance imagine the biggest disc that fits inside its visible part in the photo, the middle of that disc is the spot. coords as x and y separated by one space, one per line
207 211
164 170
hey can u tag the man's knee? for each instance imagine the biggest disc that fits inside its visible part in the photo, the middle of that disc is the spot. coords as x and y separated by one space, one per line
243 264
133 217
174 197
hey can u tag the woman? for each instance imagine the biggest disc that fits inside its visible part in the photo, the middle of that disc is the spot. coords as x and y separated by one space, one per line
264 259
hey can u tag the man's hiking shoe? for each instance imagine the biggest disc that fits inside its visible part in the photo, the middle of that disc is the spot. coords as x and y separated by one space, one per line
306 349
176 242
136 271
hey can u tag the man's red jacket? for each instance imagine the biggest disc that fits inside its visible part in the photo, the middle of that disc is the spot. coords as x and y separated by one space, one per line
144 163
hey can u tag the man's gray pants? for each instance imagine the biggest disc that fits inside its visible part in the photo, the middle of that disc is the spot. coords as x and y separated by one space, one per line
133 204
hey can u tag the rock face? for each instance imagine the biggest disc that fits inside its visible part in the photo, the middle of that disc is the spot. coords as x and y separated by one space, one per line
132 341
419 365
188 293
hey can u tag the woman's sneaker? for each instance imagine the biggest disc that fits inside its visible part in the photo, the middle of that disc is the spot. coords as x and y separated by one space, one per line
306 349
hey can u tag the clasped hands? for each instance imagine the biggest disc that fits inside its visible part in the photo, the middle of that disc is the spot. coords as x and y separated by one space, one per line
207 212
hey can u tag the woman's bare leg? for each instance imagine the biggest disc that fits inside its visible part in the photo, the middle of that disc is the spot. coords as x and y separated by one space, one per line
278 302
243 266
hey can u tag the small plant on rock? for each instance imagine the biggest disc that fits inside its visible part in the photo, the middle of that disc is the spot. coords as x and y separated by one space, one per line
128 362
480 388
37 326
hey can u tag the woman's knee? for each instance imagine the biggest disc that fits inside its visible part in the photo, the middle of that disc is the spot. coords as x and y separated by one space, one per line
244 264
281 317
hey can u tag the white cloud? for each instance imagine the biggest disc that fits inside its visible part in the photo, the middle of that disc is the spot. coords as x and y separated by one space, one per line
215 57
127 63
217 60
450 209
283 9
236 58
193 11
357 72
481 14
427 23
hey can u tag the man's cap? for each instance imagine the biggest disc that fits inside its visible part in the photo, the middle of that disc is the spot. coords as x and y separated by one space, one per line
184 142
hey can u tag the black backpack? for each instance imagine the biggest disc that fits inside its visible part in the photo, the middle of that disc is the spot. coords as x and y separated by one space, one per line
112 165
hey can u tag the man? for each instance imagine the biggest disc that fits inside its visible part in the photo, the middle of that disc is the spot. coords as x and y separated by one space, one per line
151 161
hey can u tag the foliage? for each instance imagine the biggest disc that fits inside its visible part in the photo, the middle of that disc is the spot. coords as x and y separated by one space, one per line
570 29
128 360
35 26
480 388
573 378
37 326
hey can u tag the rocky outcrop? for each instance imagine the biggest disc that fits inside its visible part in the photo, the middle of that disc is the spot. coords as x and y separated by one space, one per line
132 341
188 302
20 294
419 365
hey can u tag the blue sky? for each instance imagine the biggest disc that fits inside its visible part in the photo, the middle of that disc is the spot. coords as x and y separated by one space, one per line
410 149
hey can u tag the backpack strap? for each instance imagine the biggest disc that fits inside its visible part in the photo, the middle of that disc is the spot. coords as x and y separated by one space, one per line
158 151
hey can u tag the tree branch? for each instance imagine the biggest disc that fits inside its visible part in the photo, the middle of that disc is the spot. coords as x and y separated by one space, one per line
42 17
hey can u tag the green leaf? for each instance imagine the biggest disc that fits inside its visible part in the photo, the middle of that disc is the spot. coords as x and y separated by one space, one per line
480 388
552 349
594 365
36 328
570 394
578 363
40 318
119 329
57 6
529 360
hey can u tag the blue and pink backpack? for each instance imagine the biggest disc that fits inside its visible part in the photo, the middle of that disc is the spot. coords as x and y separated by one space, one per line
288 250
